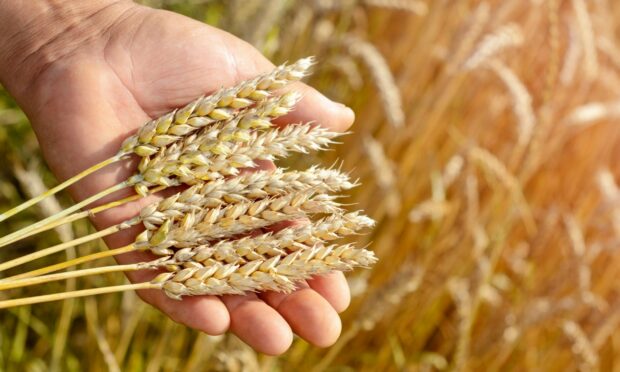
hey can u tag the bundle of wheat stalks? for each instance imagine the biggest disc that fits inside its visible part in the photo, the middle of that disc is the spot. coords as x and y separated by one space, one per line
199 236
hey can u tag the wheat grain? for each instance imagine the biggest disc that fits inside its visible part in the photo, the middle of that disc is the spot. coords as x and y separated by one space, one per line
611 197
459 289
263 22
491 164
475 25
232 220
382 166
429 210
265 246
240 252
384 174
274 274
346 66
278 273
195 272
231 127
217 153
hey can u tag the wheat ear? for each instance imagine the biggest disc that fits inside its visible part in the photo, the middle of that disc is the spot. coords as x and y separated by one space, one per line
279 273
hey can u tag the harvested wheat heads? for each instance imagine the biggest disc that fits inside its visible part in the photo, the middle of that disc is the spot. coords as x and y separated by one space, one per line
230 231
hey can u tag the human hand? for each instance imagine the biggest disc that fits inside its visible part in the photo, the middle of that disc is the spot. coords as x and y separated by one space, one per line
88 74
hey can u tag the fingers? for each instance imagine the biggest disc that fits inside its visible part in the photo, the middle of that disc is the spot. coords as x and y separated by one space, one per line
258 324
308 313
334 288
203 313
315 107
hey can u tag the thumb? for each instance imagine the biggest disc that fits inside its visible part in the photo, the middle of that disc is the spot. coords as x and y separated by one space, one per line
199 59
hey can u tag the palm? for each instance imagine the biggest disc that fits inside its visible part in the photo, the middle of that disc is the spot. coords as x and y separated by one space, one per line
148 63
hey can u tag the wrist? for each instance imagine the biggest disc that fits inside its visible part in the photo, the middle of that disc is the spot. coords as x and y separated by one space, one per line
34 34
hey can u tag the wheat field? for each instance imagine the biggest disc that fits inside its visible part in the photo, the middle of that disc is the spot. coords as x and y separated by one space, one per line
486 141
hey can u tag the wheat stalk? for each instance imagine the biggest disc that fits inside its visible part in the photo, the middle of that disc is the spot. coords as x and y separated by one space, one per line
212 140
239 251
197 212
271 261
189 162
204 145
327 229
174 125
275 274
253 118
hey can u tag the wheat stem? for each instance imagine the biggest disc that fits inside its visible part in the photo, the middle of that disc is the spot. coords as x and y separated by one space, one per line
37 227
62 186
73 262
79 293
67 275
79 215
60 247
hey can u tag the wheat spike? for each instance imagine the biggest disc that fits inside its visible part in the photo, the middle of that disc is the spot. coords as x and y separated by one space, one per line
278 273
219 106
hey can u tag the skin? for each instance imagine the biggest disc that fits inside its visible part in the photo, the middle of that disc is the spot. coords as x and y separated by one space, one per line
88 74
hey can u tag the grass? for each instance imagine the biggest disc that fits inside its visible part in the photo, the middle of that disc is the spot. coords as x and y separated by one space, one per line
506 262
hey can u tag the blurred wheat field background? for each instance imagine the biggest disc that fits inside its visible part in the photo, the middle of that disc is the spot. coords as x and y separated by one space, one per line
486 142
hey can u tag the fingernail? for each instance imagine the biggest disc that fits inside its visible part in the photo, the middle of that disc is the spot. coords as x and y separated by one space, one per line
347 113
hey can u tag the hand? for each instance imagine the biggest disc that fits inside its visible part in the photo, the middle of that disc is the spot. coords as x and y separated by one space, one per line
87 75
